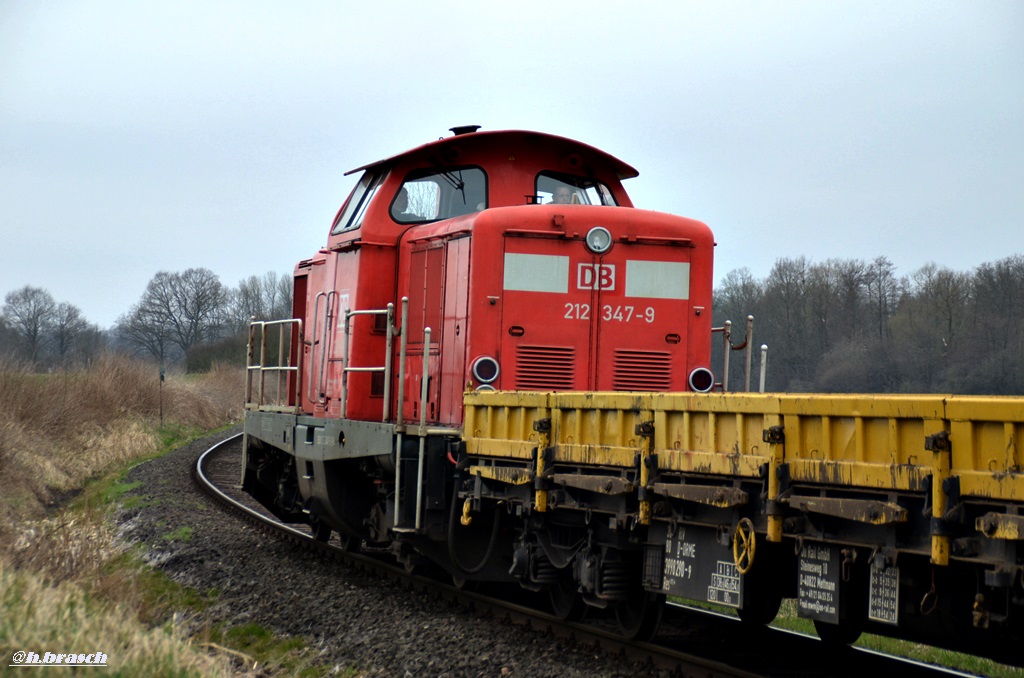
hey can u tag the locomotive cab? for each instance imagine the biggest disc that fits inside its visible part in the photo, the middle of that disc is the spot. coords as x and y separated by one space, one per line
521 252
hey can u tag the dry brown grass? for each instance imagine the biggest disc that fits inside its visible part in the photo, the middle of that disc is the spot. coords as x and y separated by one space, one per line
57 430
41 615
57 585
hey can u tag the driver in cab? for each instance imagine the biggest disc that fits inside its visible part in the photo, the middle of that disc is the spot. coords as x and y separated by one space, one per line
562 196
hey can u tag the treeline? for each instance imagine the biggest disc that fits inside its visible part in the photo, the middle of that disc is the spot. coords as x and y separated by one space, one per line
848 325
187 317
844 325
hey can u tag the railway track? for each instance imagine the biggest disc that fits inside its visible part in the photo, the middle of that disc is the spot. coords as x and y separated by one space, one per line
690 642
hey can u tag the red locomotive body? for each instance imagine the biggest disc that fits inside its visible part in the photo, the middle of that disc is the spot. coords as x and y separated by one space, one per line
466 229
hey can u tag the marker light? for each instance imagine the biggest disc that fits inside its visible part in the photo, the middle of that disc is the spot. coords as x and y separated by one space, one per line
701 380
485 369
599 240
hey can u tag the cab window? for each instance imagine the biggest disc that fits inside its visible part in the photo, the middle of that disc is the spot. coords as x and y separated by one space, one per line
431 195
566 189
351 215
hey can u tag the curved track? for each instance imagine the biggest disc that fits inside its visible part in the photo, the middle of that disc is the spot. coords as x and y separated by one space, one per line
690 642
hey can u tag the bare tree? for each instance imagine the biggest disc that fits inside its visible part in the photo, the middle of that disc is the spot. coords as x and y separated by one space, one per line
69 327
786 321
267 297
822 300
997 340
8 339
738 296
29 313
282 298
177 310
145 333
850 283
883 290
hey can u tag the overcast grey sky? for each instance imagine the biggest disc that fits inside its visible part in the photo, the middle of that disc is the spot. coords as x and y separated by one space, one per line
142 136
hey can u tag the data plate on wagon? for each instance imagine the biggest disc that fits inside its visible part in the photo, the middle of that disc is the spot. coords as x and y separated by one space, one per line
818 585
698 567
885 594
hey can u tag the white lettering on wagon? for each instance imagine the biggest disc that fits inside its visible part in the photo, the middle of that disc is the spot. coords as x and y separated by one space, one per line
725 584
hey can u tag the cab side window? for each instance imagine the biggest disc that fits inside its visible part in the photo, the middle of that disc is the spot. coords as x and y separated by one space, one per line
351 215
431 195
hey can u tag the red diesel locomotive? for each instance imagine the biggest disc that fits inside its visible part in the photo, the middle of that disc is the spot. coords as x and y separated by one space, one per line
508 260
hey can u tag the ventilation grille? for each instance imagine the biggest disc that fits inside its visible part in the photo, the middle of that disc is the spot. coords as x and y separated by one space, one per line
641 371
545 368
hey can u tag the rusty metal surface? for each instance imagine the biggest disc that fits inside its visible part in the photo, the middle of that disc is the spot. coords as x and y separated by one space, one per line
877 442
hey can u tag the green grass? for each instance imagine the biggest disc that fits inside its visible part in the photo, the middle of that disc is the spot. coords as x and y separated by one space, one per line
183 533
265 651
787 619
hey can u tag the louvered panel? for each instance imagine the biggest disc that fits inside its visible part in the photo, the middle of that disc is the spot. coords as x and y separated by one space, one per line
544 368
641 371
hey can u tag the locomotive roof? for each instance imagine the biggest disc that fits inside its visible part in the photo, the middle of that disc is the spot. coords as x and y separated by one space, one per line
466 138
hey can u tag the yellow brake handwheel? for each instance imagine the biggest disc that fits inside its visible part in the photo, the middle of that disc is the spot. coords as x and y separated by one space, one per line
743 543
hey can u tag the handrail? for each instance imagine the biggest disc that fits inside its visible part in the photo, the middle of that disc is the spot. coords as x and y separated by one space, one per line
424 380
747 346
316 388
281 369
398 413
389 312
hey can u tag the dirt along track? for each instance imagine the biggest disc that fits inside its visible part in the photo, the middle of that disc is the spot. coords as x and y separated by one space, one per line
351 618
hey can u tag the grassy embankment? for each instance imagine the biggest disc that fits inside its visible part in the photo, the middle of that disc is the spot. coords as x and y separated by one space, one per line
67 584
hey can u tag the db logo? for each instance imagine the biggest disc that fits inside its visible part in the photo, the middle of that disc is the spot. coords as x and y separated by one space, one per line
595 277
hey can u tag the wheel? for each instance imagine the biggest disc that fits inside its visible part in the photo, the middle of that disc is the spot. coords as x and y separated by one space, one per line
462 584
349 543
760 605
321 530
418 566
639 616
837 634
566 603
762 592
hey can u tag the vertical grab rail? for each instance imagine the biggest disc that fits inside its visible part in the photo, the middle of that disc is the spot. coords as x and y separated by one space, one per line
726 350
423 424
749 350
316 385
764 366
398 408
389 340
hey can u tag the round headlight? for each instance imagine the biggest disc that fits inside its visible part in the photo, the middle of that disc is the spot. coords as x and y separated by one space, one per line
485 369
701 380
599 240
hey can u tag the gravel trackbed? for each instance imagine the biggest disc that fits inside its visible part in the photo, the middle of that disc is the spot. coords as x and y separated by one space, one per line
354 620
